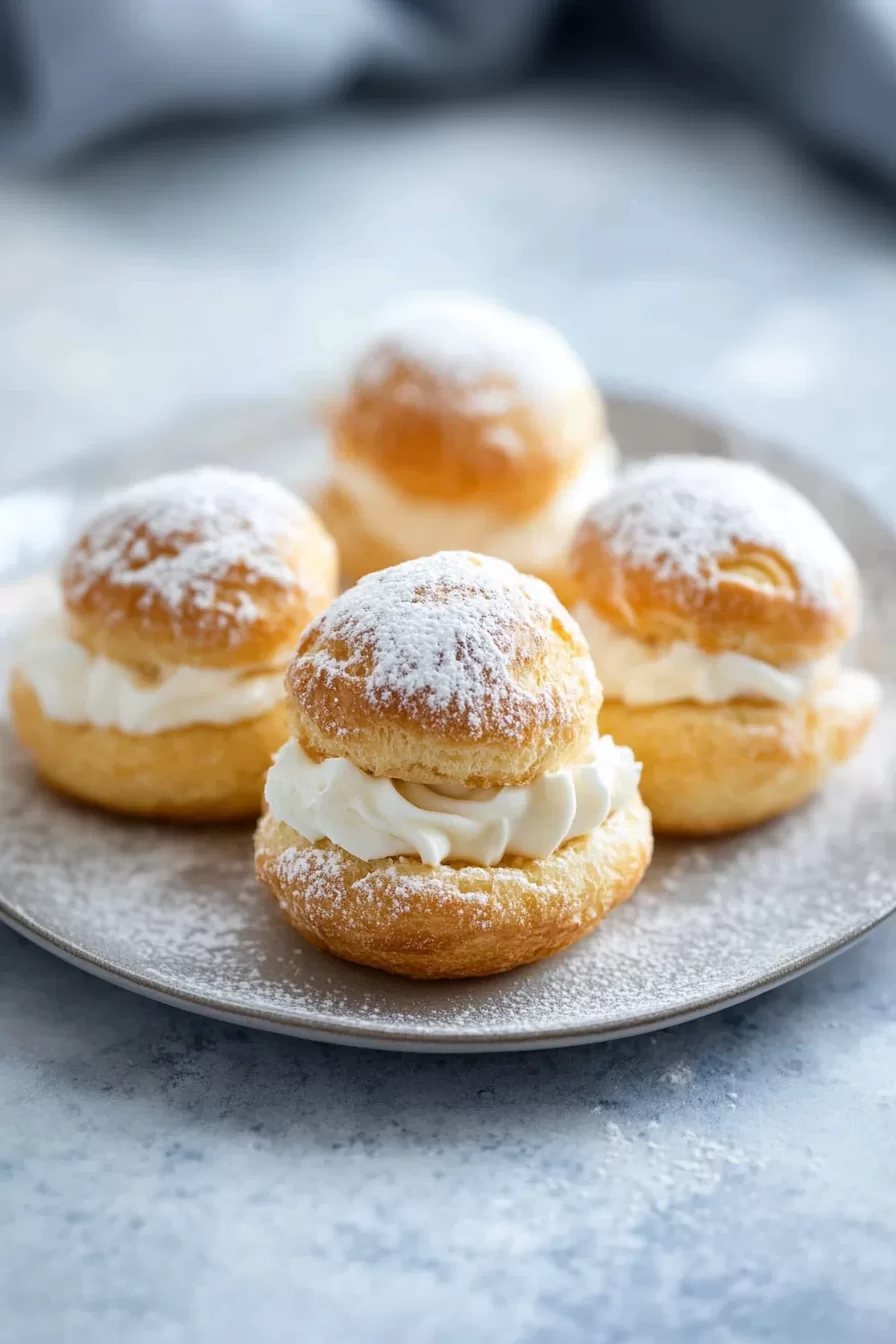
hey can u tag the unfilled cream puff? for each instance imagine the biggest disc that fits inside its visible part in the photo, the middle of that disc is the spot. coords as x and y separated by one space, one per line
158 688
445 807
716 601
464 425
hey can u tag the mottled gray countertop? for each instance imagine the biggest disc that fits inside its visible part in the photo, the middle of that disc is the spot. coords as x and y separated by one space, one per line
165 1178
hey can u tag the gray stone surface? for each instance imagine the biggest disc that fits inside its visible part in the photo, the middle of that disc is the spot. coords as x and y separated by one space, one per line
168 1179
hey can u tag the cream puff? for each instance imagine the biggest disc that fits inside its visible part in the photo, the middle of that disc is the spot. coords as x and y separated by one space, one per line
445 807
464 425
158 688
716 601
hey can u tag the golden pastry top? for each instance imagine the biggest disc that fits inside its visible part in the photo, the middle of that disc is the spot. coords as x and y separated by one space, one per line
718 554
206 568
453 667
455 399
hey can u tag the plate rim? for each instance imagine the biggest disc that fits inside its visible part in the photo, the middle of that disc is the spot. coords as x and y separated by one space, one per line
408 1042
425 1039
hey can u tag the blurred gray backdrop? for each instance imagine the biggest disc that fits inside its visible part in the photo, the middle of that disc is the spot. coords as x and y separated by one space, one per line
72 74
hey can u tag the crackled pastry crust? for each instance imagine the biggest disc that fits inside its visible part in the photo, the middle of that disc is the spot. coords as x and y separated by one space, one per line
206 772
454 920
720 555
439 447
455 399
206 568
715 768
463 424
452 667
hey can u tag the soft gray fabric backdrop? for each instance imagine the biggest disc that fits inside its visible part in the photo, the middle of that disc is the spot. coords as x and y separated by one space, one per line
71 74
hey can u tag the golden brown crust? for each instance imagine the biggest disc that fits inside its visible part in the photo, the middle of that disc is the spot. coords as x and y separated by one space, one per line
438 440
455 920
205 772
711 769
719 555
207 568
361 552
451 667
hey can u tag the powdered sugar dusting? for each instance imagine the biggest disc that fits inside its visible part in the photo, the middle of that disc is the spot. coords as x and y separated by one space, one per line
318 870
678 515
469 341
180 537
178 909
324 875
444 633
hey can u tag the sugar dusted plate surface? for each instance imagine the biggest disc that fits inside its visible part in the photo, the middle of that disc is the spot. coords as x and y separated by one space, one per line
176 913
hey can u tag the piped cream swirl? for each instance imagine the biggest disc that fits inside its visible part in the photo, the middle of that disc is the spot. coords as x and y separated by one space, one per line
74 686
642 674
384 818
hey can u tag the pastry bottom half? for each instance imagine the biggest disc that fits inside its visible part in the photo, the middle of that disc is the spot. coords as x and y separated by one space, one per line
454 920
361 552
715 768
204 772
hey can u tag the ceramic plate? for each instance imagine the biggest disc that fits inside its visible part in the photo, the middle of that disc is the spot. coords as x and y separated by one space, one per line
176 914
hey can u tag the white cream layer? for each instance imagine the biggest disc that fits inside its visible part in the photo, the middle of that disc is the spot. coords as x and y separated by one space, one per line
643 674
74 686
384 818
417 527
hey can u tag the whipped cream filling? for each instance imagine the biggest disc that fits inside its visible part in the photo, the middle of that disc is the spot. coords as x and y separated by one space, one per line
384 818
538 541
74 686
644 674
